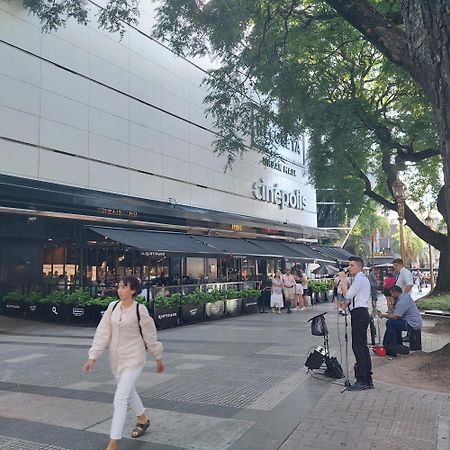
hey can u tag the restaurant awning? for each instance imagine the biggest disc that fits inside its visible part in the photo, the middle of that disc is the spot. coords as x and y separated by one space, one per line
233 246
335 253
160 242
308 252
275 248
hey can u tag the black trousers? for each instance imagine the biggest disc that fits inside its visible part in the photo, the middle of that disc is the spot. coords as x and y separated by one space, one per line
360 322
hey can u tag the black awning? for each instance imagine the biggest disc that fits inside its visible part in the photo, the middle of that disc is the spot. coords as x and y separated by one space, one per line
275 249
233 246
336 253
308 252
156 241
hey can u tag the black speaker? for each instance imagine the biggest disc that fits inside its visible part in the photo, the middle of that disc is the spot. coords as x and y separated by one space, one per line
315 358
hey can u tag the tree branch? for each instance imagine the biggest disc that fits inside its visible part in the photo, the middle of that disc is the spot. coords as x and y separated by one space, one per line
382 33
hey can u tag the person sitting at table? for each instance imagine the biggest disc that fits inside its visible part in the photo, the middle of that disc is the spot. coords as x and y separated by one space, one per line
405 313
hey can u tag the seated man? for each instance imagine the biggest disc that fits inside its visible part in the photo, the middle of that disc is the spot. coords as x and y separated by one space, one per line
405 313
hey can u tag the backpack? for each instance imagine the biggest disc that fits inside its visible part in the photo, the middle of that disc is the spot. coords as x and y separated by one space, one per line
334 369
138 317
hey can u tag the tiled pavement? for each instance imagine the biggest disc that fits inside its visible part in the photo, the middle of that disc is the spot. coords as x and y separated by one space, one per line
232 384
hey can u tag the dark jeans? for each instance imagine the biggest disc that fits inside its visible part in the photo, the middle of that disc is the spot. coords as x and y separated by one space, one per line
360 322
393 330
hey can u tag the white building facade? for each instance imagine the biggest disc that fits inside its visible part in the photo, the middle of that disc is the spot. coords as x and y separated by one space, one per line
85 114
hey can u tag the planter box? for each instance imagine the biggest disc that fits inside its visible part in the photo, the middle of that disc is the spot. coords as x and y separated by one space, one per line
233 307
192 313
320 297
85 315
330 296
37 312
250 305
57 313
166 317
13 308
215 310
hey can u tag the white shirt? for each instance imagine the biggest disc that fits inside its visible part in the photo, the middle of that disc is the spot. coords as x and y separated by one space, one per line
359 291
404 278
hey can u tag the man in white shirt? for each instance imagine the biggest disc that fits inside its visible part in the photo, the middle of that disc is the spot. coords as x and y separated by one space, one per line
357 298
403 275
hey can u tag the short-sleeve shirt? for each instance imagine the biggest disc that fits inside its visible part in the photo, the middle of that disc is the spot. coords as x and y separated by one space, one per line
404 278
406 309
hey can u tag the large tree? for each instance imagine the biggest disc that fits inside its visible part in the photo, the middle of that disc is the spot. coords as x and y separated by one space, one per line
368 80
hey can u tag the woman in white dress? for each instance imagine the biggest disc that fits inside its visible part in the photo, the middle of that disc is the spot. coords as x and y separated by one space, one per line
276 299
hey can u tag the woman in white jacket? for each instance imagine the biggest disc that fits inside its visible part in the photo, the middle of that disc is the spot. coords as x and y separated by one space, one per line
128 331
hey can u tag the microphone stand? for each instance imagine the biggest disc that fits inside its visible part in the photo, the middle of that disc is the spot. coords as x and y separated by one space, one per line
347 380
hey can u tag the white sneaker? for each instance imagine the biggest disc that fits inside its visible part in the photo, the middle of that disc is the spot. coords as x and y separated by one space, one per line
303 308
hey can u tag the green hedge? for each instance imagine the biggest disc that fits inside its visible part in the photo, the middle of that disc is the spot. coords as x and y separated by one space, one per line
81 297
441 302
320 285
198 297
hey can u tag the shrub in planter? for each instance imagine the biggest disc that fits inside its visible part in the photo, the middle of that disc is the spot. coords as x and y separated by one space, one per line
250 301
215 305
34 309
166 310
55 308
80 307
13 304
233 303
193 307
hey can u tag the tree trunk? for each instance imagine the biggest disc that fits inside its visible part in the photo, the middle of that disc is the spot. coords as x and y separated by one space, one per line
428 31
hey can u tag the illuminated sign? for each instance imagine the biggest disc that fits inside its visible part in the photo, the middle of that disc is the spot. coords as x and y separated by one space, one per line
272 194
117 212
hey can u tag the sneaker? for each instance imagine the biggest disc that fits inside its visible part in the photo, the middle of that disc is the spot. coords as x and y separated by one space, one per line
303 309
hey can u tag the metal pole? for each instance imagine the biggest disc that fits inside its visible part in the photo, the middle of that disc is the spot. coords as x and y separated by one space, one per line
431 268
402 241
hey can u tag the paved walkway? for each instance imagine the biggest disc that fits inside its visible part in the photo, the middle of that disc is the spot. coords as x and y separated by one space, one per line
233 384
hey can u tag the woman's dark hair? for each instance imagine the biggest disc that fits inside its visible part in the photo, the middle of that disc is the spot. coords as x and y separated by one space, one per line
133 283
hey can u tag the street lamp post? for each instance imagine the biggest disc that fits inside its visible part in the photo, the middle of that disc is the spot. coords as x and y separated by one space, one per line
399 193
429 223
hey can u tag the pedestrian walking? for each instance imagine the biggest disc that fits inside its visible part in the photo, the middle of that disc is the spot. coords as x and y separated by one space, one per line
128 331
357 300
299 302
276 299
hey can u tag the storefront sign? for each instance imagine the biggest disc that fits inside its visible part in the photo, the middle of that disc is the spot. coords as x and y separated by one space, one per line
272 194
236 227
117 212
277 165
153 254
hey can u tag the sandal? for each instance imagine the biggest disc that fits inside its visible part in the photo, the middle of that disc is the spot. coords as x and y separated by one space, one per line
140 429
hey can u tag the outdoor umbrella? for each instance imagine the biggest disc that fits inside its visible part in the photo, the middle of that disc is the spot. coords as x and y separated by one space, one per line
325 270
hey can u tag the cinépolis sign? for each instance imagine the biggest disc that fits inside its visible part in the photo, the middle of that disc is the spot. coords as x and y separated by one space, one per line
272 194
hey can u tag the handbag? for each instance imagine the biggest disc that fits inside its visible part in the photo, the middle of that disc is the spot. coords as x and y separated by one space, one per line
334 369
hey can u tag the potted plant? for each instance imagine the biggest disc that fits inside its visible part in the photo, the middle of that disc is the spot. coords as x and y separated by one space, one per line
233 303
54 307
34 309
81 308
250 301
193 307
13 304
166 310
215 304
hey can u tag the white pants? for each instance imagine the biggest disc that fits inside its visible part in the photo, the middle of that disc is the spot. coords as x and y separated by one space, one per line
125 394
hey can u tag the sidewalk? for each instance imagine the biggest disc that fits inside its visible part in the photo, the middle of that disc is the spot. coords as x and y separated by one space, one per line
232 384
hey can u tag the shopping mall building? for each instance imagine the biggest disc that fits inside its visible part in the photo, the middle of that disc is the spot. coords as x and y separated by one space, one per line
107 166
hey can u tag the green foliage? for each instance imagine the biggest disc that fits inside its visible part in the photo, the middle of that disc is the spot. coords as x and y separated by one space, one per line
13 296
232 293
318 286
369 221
163 301
249 293
441 302
33 298
194 298
214 296
290 67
